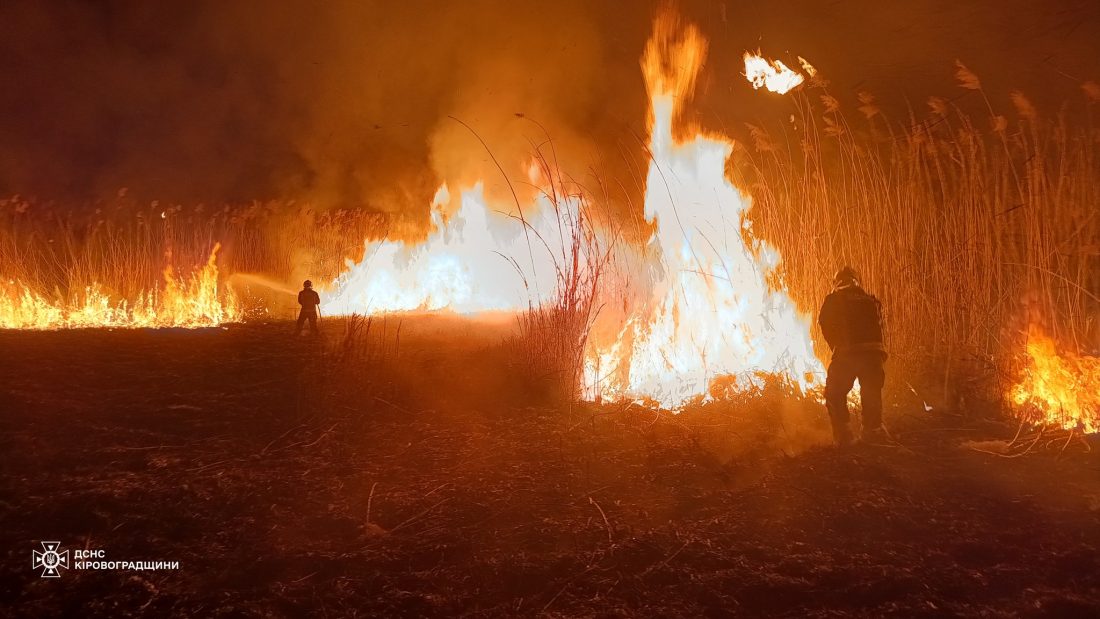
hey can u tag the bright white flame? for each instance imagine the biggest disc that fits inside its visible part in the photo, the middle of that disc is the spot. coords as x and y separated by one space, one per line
712 311
774 75
476 260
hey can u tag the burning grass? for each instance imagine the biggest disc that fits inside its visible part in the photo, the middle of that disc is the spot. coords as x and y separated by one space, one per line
972 226
1058 389
122 263
189 301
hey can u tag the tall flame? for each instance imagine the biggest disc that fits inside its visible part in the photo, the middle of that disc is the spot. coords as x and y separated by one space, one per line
1058 389
195 301
712 312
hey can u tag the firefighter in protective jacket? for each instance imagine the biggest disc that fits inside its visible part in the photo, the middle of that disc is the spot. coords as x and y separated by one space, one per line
309 300
851 321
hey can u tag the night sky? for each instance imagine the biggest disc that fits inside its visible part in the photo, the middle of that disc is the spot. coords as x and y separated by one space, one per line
347 103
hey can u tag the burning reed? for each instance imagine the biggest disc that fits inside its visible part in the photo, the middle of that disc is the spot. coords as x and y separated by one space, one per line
126 264
191 301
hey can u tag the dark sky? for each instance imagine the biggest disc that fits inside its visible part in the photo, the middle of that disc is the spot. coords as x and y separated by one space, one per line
347 103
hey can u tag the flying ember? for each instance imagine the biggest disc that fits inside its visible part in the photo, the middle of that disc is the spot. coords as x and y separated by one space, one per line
774 75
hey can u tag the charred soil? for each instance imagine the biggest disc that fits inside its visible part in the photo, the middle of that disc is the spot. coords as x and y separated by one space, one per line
409 473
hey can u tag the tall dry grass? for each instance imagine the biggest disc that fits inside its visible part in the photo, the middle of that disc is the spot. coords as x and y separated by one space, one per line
553 335
57 250
968 227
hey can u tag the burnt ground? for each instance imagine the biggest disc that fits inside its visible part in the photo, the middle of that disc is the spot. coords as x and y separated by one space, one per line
416 474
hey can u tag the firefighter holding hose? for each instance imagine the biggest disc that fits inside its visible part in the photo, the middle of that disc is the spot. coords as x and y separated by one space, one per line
851 321
309 300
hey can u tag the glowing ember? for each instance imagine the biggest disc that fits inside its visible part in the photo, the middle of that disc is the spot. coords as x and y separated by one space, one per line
195 301
711 312
774 75
1058 390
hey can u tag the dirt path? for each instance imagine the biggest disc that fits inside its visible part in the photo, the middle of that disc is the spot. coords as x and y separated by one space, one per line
421 483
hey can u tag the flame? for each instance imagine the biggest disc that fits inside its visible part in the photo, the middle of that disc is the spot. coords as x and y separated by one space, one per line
711 312
478 259
713 309
807 67
195 301
774 75
1057 390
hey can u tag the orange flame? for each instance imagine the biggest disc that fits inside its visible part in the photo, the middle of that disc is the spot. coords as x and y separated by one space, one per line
1058 390
192 302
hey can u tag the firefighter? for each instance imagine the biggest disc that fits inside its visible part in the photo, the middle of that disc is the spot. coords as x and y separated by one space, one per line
309 300
851 321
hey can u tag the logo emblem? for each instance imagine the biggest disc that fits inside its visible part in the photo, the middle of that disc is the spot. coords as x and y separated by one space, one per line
50 559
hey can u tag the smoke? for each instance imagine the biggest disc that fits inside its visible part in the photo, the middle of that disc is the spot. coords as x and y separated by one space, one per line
350 102
343 103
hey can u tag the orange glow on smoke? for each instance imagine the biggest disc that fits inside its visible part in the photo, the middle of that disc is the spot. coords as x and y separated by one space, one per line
194 301
1058 389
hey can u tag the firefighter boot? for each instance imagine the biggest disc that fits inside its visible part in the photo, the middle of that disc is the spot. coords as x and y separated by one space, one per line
842 435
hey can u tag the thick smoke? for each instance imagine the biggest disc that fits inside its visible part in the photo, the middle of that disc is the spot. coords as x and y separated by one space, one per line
350 103
342 103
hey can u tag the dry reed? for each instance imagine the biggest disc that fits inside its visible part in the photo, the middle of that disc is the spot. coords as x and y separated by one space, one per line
968 229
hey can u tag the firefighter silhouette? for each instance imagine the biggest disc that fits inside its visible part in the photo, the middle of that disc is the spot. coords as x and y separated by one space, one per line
309 300
851 321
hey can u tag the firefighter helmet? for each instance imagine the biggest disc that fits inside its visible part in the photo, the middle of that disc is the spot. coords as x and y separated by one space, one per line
846 276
